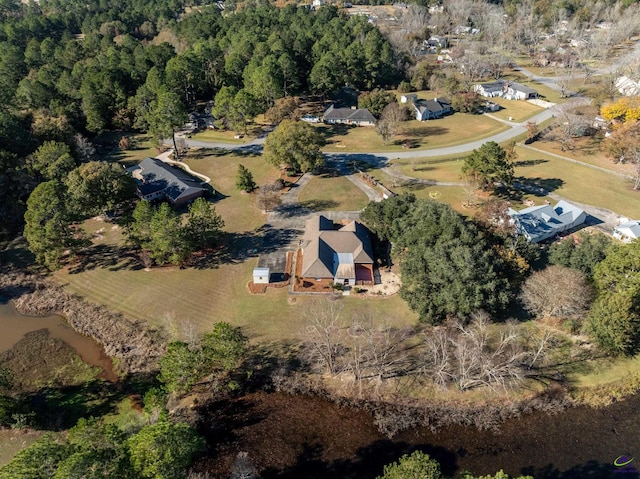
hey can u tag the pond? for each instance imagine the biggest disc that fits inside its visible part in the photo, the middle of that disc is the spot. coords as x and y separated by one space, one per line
13 327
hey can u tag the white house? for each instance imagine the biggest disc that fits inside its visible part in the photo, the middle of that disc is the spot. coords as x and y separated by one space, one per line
429 109
505 89
627 86
349 116
627 231
538 223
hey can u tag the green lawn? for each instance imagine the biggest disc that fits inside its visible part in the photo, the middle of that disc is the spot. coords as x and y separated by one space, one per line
578 183
221 136
517 110
423 134
333 194
587 150
238 209
107 149
200 297
427 169
217 292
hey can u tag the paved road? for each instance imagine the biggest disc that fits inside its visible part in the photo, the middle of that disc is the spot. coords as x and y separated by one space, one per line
382 157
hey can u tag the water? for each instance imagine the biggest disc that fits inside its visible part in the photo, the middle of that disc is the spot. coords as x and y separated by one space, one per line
13 326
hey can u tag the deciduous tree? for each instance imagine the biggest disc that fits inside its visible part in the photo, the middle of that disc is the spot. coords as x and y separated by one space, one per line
418 465
296 145
52 160
97 187
375 101
558 292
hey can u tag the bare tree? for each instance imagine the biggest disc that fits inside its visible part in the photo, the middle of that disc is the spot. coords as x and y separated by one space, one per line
624 146
475 355
243 467
389 123
268 197
324 334
556 291
571 124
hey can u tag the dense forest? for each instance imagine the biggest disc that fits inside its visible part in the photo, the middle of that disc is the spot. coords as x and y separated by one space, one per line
70 71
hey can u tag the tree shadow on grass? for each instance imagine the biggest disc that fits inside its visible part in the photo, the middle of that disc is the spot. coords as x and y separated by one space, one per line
414 185
318 205
203 153
530 162
425 131
105 256
58 409
238 247
291 210
537 186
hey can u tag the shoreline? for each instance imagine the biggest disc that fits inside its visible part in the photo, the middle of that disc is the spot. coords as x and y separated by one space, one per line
132 346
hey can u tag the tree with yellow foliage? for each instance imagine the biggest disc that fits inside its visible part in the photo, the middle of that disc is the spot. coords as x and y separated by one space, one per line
625 109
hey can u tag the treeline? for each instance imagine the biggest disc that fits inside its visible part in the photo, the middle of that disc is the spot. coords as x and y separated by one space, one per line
80 68
452 267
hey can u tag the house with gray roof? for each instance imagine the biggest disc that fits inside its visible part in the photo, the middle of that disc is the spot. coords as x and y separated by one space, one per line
627 231
348 116
505 89
331 253
158 180
430 109
538 223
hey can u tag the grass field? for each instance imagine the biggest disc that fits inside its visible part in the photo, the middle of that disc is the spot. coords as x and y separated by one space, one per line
176 298
238 209
518 111
423 134
587 150
222 137
217 292
107 149
425 169
578 183
333 194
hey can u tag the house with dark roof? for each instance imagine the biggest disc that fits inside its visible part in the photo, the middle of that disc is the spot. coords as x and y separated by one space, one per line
348 116
158 180
331 253
538 223
430 109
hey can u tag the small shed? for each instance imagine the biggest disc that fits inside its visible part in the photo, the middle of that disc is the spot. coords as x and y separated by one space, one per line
261 275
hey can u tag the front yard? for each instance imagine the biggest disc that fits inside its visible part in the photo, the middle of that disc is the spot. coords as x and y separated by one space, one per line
332 193
515 110
436 133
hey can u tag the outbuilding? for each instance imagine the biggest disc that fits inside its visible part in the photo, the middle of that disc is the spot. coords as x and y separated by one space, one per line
261 275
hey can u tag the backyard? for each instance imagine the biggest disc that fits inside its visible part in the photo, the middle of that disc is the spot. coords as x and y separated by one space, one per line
195 297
